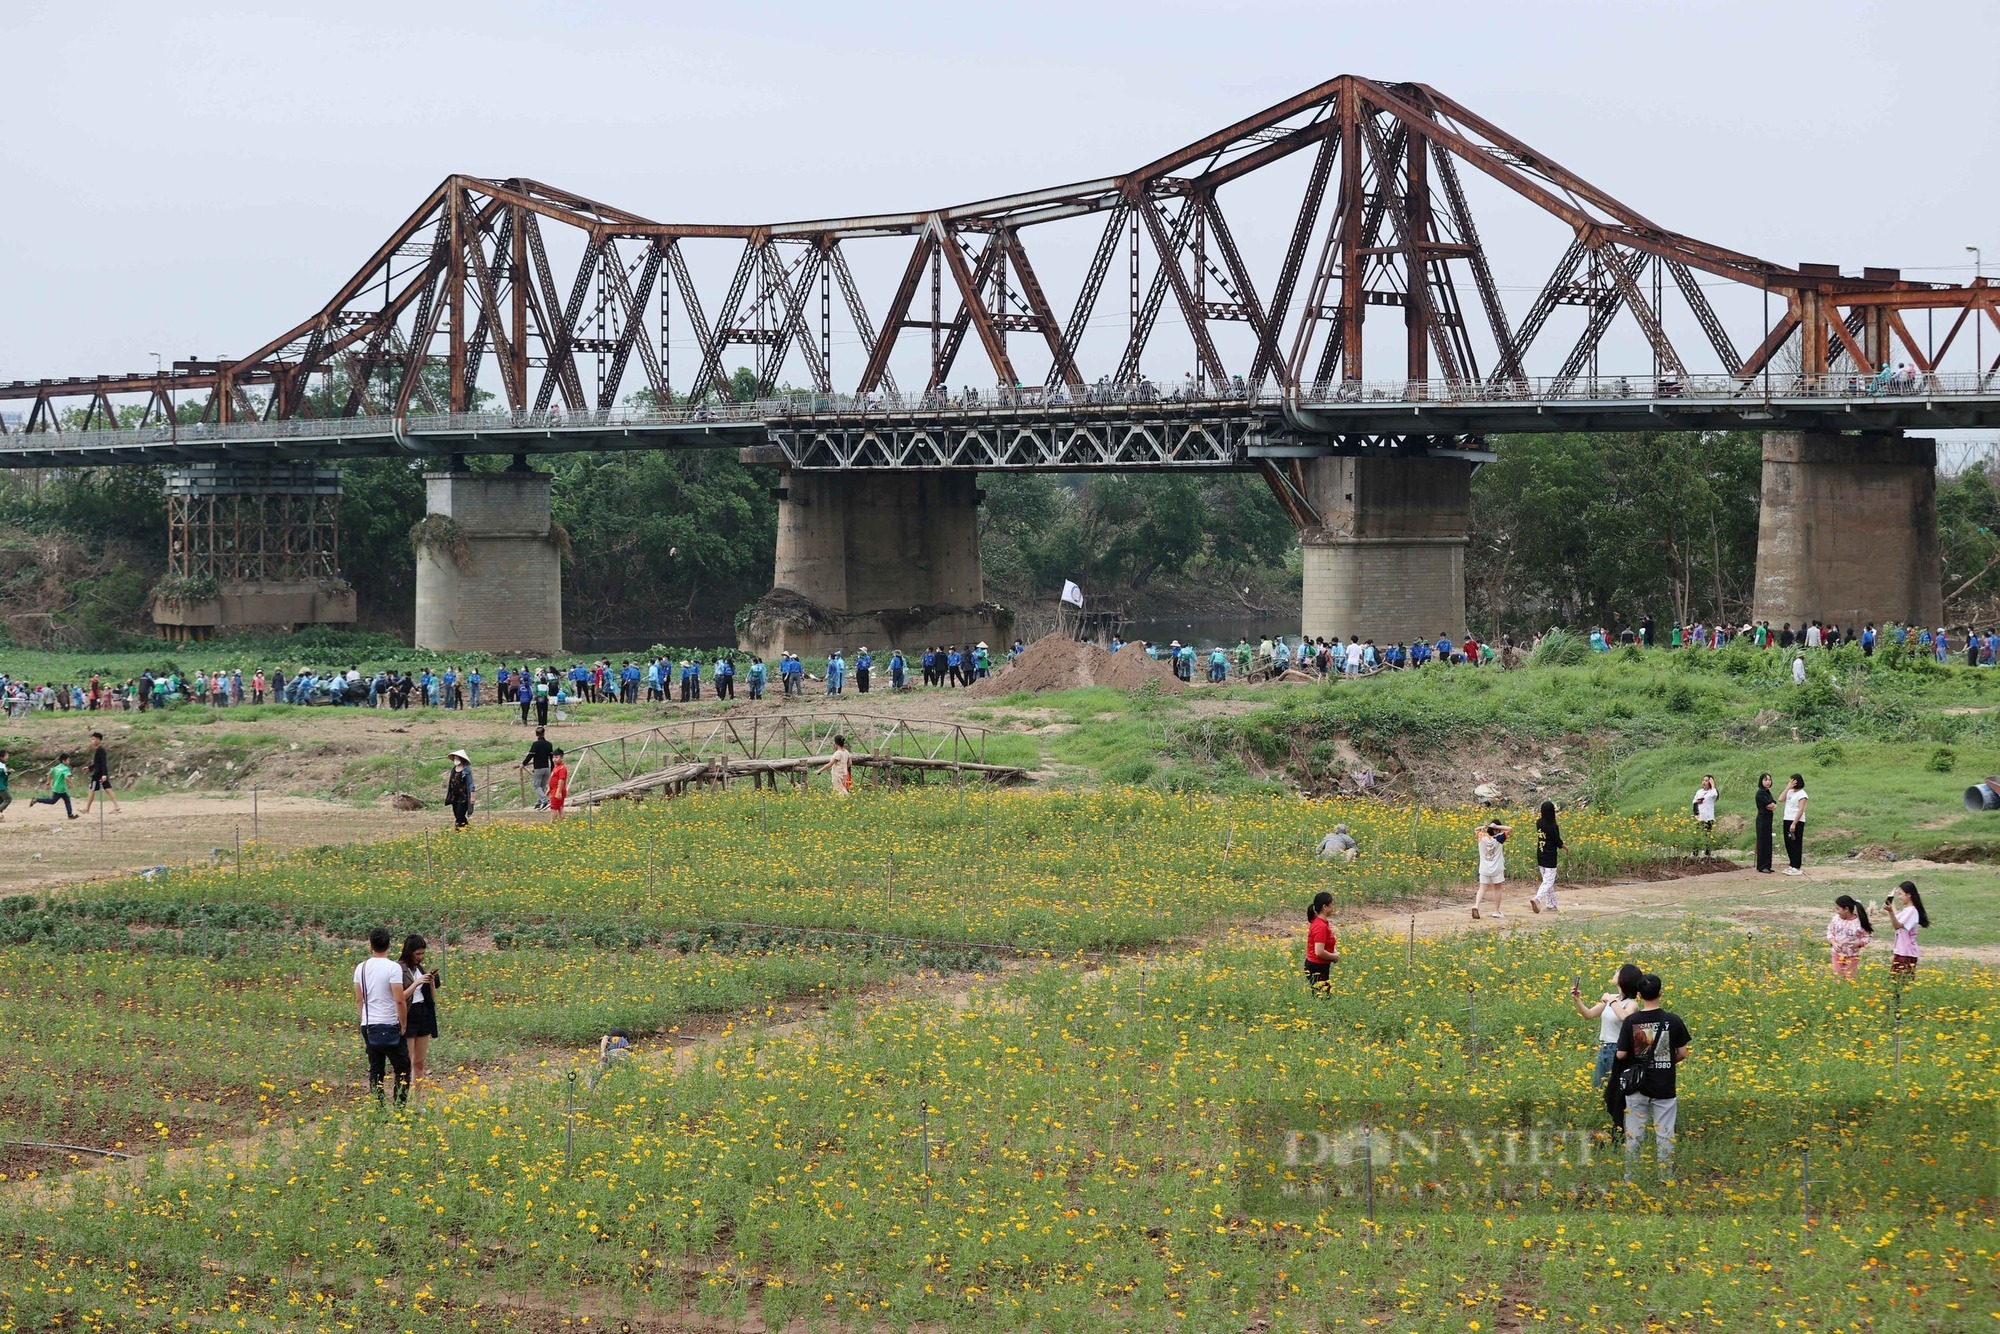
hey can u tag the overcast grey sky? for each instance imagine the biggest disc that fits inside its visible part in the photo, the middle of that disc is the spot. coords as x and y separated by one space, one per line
196 177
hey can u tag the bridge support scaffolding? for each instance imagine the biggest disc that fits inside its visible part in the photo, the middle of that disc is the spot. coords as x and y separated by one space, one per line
251 546
489 564
885 559
1848 530
1387 558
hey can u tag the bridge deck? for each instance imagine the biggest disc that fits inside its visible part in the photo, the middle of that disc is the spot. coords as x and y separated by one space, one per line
1030 429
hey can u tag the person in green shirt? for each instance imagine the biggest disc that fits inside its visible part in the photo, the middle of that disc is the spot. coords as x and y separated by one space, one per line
58 786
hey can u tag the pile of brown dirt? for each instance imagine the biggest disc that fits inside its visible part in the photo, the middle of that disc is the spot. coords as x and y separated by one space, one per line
1055 663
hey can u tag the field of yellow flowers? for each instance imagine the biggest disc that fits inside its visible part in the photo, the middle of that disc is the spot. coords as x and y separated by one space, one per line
180 1007
1081 1150
1077 1150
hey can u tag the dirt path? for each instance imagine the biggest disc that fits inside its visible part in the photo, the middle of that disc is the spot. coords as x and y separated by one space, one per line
1739 897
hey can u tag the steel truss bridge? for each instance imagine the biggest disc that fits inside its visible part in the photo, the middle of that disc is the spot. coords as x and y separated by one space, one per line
466 300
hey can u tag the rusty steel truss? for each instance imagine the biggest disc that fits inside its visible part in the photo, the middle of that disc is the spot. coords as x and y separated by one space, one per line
467 297
253 523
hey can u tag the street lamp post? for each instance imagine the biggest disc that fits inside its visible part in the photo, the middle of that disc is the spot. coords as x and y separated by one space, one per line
1978 325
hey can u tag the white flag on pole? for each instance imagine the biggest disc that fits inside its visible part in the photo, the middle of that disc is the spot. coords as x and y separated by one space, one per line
1072 594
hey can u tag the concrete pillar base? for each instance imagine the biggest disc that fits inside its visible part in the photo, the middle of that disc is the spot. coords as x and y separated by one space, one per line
1848 530
489 564
1388 562
889 559
251 606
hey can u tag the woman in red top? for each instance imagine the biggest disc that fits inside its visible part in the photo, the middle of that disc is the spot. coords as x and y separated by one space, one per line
1322 946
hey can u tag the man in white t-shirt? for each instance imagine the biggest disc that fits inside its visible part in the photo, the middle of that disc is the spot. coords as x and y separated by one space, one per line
384 1008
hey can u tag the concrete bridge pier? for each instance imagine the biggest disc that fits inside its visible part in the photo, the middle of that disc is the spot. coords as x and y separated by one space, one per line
1388 559
489 564
1848 530
886 559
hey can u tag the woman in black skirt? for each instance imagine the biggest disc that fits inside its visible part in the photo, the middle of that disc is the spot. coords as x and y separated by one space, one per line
1765 802
421 989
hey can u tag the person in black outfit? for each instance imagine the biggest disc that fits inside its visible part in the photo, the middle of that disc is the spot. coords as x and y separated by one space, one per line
1765 803
458 790
100 776
1646 630
420 987
541 758
1652 1043
1548 848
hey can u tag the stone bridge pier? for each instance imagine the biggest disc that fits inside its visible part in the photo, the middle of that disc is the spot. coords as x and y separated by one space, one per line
886 559
1387 561
489 564
1848 532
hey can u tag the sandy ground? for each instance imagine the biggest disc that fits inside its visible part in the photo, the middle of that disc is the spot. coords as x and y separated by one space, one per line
38 847
1739 898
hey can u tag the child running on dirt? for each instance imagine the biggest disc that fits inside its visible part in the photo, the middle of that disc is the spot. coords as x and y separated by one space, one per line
58 787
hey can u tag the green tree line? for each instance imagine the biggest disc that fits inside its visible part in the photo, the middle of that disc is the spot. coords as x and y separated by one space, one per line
1574 529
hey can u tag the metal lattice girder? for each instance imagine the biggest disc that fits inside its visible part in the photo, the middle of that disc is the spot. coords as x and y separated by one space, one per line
1056 442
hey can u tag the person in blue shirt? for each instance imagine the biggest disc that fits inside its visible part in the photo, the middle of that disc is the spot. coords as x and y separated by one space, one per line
725 678
1444 648
1116 643
951 665
836 673
862 662
1218 666
898 670
473 680
756 678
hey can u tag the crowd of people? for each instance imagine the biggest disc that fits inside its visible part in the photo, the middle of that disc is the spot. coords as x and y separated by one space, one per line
531 689
534 690
1640 1044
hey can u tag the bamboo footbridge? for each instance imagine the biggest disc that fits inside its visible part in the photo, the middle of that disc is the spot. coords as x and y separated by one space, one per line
673 757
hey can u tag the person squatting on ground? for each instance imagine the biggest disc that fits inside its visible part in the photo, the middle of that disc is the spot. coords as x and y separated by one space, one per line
1847 934
1488 838
384 1007
1651 1045
1339 844
1322 946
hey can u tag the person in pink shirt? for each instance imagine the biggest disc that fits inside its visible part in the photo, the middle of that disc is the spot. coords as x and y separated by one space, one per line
1847 934
1906 905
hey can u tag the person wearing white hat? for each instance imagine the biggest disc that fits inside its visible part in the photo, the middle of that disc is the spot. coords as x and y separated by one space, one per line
459 789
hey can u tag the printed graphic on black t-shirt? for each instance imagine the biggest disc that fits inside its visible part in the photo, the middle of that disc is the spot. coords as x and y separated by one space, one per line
1651 1037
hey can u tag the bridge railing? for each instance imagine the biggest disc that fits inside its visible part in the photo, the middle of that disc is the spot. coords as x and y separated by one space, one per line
433 433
